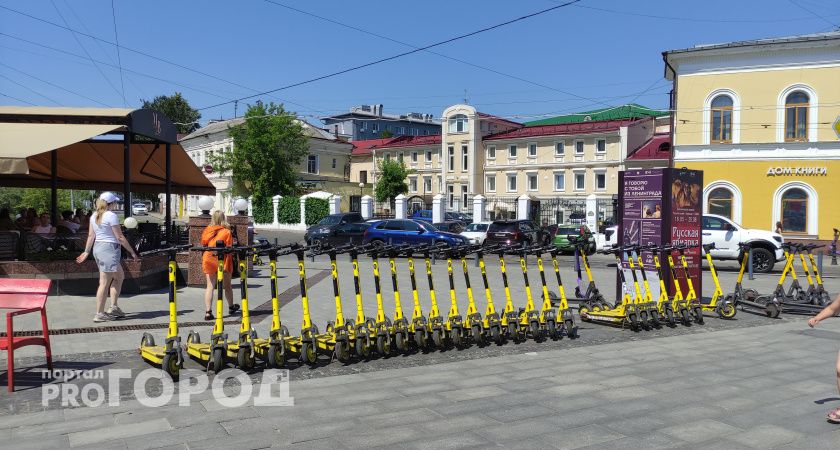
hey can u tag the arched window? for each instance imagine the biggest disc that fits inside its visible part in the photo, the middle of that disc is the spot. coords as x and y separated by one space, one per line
796 116
458 123
721 120
720 202
795 210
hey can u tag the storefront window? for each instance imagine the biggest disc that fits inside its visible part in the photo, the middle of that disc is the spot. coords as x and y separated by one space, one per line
721 120
720 202
796 116
795 211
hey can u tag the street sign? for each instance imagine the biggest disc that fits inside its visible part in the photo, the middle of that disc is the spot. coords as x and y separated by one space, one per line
836 127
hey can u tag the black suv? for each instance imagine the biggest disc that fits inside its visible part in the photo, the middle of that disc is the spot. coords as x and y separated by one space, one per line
326 225
514 232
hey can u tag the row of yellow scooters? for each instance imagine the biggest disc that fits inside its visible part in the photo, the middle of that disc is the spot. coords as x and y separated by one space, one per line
366 336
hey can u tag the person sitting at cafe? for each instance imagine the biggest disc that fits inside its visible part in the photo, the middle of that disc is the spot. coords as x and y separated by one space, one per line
22 220
6 222
44 226
67 221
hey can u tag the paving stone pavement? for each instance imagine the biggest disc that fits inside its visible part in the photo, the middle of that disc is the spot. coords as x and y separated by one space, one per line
763 386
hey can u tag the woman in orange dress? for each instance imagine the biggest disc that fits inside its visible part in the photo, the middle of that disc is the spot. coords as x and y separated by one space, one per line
218 230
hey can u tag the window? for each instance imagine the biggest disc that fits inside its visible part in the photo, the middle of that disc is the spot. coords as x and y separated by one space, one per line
425 132
600 181
458 123
463 196
491 152
559 149
414 157
601 146
580 181
532 150
721 119
720 202
400 130
491 183
363 176
451 152
428 156
512 151
427 184
796 116
559 181
795 210
374 127
464 157
312 164
511 182
532 182
412 184
334 163
387 156
362 126
414 132
578 147
409 225
450 190
713 223
400 157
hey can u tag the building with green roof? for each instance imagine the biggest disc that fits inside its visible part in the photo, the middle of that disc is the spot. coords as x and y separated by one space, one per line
623 112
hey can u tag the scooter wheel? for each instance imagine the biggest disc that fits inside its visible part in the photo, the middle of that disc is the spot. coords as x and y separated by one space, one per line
655 319
244 360
420 339
513 332
536 331
825 299
643 320
456 337
670 317
476 334
308 353
772 310
571 330
437 338
363 346
583 312
276 356
686 317
170 365
147 340
750 295
217 359
401 341
727 310
383 345
551 327
634 321
698 315
342 352
496 335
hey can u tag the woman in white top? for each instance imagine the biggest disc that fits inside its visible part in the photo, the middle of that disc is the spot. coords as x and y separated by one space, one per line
104 238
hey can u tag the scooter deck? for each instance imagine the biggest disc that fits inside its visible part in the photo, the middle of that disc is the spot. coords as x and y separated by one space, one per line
200 351
801 308
153 353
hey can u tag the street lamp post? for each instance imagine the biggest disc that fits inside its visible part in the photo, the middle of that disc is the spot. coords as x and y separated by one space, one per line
361 187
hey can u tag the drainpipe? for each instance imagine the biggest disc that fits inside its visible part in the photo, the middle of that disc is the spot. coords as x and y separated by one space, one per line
672 107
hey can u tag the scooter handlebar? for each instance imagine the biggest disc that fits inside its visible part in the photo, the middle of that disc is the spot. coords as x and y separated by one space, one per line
171 248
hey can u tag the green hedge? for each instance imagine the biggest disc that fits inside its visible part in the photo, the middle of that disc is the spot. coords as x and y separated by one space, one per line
263 210
315 209
289 210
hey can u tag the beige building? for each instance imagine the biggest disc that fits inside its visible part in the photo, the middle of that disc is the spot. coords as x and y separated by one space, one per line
328 160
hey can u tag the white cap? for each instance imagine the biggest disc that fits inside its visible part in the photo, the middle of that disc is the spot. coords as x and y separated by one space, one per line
109 197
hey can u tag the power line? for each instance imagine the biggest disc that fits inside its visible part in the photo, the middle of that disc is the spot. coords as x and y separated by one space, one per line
813 13
390 58
361 30
119 58
17 99
54 85
30 89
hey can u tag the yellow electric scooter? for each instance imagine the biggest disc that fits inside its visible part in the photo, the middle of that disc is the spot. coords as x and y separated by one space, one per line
340 334
168 356
724 308
691 299
819 296
678 301
492 323
624 313
365 327
399 328
473 321
664 304
563 311
418 327
647 299
382 324
510 317
529 317
454 324
274 349
639 301
214 352
548 318
436 323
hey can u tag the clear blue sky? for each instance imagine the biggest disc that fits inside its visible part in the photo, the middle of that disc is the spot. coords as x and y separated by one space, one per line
609 55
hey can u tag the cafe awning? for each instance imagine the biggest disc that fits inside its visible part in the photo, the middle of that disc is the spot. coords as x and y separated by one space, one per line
85 159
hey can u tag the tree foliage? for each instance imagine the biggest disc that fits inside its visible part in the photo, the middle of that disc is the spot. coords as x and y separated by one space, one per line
385 134
391 180
267 150
177 109
15 198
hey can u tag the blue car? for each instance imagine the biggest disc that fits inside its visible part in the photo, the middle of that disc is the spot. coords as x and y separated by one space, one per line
406 231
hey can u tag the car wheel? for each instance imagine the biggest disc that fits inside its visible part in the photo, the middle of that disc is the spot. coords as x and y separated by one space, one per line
763 260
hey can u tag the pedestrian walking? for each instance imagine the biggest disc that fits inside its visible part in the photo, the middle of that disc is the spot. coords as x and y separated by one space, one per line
779 228
218 230
104 239
830 311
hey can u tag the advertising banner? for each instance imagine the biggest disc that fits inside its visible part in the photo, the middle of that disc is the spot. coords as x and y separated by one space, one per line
641 201
685 195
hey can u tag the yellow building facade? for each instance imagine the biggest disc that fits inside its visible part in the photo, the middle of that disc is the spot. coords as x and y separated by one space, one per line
757 117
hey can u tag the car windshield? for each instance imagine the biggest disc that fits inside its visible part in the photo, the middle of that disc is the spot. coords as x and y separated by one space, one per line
428 227
138 205
478 227
502 226
330 220
563 231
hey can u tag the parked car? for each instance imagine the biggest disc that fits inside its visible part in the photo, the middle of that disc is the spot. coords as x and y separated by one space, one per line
450 226
326 225
561 234
345 233
514 232
407 231
139 209
476 232
726 234
426 216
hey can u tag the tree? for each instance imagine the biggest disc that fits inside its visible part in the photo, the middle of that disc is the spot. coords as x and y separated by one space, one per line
391 180
385 134
177 109
267 150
